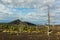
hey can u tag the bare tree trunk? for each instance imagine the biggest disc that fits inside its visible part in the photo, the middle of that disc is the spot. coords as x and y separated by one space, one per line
48 19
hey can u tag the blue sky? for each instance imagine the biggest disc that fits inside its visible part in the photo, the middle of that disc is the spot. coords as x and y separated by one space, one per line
34 11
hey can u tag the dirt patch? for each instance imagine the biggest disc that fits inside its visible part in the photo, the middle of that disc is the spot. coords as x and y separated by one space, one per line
25 36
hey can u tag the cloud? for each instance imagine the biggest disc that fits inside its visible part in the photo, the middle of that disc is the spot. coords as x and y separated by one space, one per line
34 16
27 3
2 7
8 11
9 1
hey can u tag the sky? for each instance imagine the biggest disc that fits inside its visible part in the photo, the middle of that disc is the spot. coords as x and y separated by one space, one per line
34 11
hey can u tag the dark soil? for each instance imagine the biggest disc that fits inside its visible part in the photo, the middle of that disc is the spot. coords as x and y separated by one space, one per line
25 36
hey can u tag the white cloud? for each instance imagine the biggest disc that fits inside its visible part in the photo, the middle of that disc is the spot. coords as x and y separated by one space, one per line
34 16
45 1
31 16
2 7
9 1
27 3
6 13
52 14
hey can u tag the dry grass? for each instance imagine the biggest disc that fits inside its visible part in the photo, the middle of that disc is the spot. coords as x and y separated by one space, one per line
28 36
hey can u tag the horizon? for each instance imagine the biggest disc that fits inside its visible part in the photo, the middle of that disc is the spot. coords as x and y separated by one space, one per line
24 21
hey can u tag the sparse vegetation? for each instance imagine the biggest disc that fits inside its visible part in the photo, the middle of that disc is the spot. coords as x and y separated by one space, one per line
27 31
21 28
23 32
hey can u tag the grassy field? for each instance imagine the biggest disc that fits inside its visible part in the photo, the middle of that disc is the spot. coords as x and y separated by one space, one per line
26 32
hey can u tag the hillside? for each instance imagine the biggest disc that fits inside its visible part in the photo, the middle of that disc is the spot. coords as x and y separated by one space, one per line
20 22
